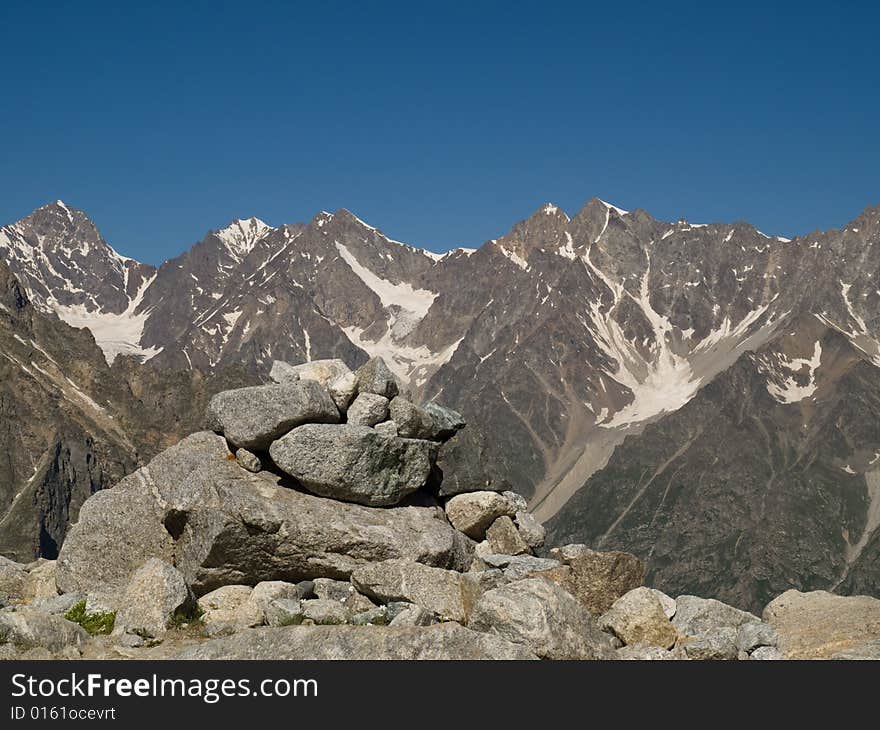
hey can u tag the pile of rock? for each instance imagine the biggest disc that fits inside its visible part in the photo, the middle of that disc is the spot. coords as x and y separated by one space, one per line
311 521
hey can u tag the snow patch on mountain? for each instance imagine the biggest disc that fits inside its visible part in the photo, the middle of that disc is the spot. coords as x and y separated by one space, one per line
115 334
242 235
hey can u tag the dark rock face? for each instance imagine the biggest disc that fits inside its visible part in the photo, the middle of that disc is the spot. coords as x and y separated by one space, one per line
574 345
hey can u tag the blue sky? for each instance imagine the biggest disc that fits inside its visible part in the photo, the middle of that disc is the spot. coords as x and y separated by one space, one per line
442 124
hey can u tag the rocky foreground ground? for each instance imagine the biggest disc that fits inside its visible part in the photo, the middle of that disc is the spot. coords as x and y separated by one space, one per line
312 521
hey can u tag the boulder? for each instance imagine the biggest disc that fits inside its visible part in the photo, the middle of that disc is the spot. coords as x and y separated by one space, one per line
718 643
386 428
819 625
368 409
252 418
414 616
443 641
324 612
475 584
667 602
270 590
283 372
695 616
354 463
412 422
321 371
26 628
530 530
156 592
334 590
517 501
342 390
753 635
41 580
542 616
647 652
248 460
503 538
474 512
231 606
637 617
466 463
374 376
445 422
516 567
284 612
13 581
771 653
434 589
596 579
222 525
57 605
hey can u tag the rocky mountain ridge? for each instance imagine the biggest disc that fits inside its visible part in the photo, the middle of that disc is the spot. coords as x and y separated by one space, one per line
567 340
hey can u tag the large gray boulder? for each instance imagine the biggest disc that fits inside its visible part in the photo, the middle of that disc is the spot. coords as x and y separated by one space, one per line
503 538
547 619
474 512
26 628
252 418
155 593
354 463
231 608
821 625
221 525
434 589
374 376
442 641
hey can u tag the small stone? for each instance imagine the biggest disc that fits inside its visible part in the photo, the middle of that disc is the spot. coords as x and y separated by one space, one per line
530 530
717 643
374 617
517 501
446 421
637 617
386 428
755 634
367 409
324 612
414 616
412 422
767 653
41 580
323 372
342 390
248 460
474 512
504 538
667 602
375 376
270 590
284 612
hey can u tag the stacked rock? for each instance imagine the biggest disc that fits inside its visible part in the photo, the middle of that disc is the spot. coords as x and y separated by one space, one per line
351 436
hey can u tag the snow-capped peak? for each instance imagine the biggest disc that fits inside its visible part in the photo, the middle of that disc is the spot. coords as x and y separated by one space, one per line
242 235
619 211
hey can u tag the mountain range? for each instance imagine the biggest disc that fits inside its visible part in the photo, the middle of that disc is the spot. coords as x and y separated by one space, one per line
702 395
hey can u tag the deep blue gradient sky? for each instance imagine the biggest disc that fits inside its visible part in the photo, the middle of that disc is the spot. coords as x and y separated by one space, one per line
443 124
